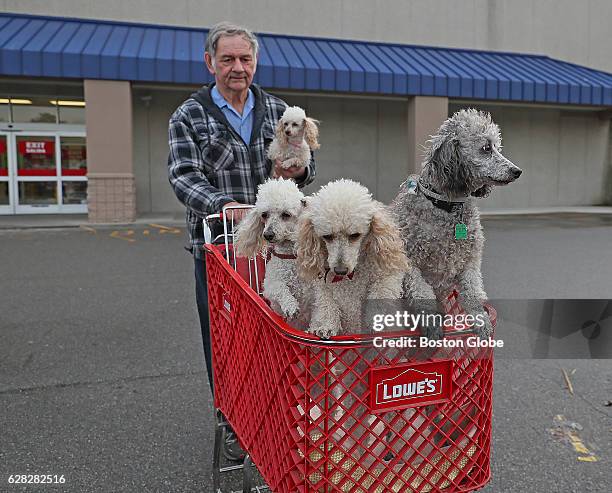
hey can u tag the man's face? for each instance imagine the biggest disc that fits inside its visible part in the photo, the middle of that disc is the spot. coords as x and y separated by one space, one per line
234 64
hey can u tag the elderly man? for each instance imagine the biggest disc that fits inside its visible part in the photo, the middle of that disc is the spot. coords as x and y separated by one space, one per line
218 140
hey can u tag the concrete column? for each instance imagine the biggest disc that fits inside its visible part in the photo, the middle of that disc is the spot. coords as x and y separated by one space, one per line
425 115
111 191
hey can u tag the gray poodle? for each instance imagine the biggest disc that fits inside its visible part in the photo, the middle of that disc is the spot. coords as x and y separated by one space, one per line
438 217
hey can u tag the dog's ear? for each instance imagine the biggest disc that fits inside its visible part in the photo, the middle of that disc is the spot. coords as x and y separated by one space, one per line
311 133
279 133
249 235
384 244
450 171
482 192
310 251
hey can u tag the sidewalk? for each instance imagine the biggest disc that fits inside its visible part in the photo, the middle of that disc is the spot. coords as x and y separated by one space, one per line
177 219
43 221
540 211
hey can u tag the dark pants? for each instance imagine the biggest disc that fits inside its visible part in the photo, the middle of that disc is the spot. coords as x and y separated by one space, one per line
202 301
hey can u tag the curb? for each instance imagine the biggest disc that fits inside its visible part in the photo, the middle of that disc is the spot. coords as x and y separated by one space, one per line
10 223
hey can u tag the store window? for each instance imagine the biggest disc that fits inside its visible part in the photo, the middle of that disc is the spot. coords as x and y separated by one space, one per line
36 156
4 193
74 192
4 110
71 111
37 103
74 156
34 110
4 183
3 156
73 164
38 193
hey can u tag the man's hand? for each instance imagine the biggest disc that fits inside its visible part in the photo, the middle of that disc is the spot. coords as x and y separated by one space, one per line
237 214
292 172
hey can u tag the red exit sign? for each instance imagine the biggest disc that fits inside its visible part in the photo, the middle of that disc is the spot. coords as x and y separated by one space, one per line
36 147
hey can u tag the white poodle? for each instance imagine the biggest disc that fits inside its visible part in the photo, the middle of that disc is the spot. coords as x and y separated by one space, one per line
350 249
438 216
296 135
273 223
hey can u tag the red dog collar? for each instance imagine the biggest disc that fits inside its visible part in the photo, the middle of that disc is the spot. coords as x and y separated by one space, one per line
338 278
285 256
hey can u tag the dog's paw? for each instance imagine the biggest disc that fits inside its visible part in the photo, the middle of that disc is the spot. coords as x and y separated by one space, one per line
322 332
291 309
288 163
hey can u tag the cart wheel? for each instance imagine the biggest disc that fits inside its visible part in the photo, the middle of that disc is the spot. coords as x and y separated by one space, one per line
247 475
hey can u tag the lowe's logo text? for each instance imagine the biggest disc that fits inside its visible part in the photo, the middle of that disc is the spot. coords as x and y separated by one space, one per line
410 384
423 387
399 386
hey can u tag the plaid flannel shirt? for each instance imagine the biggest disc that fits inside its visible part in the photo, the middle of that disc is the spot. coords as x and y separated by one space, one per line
209 164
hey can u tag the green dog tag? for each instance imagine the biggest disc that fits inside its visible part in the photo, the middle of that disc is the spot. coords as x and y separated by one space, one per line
460 231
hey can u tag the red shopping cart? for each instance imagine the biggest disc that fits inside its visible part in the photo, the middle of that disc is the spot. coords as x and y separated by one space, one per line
349 414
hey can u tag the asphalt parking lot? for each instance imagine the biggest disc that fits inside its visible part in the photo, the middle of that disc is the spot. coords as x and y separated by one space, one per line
101 365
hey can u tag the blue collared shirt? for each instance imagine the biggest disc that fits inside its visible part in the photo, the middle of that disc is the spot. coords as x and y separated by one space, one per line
242 124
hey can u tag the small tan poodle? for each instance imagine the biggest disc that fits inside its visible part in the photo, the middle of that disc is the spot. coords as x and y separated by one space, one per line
350 249
296 136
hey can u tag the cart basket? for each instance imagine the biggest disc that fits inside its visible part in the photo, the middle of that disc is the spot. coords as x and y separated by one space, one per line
343 415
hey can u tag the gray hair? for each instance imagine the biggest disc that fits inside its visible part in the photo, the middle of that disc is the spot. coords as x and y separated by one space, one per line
228 29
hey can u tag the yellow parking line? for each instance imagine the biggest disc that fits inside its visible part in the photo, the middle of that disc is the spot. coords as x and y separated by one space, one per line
165 229
87 228
160 226
124 235
579 447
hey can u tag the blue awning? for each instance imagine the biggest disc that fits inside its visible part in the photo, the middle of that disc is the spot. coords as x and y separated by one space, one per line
34 46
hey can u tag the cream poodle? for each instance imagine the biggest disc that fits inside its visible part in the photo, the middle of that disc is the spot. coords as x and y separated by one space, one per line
272 225
296 136
350 249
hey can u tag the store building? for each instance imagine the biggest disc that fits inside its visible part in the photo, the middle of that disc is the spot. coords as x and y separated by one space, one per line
84 106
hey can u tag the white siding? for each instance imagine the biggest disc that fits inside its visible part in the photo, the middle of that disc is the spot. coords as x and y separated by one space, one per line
575 31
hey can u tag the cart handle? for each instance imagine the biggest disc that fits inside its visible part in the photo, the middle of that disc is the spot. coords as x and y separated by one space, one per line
218 216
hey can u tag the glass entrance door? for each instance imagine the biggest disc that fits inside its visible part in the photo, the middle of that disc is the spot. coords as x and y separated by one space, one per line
36 173
6 202
43 172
